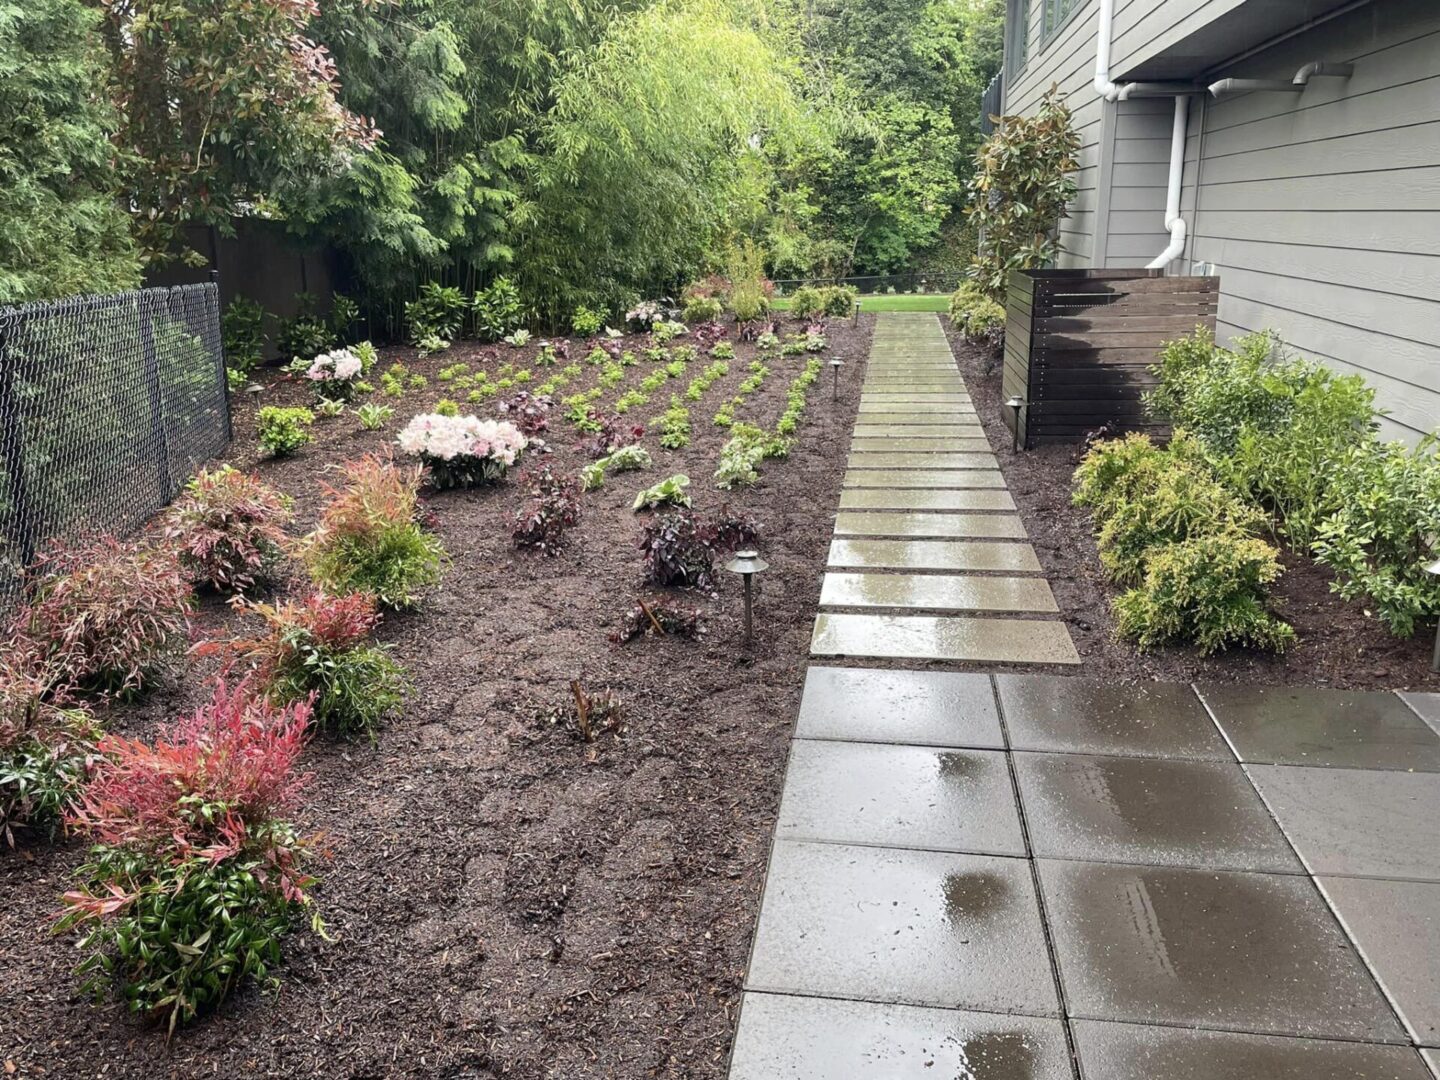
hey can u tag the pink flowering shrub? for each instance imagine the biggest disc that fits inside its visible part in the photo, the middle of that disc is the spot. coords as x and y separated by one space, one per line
334 374
103 613
229 528
463 451
196 874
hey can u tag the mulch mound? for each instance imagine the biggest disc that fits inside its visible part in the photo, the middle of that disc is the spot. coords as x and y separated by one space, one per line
506 901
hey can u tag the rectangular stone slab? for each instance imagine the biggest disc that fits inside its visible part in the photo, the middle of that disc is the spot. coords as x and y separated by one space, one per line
867 459
951 417
937 592
910 407
908 927
781 1035
912 397
956 638
938 526
997 555
898 499
928 479
918 708
975 445
897 430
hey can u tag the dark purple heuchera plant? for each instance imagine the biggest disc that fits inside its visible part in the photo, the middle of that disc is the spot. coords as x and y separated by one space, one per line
528 412
555 507
680 547
752 331
608 433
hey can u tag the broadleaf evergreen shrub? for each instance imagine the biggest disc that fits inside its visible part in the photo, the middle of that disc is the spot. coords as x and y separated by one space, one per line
229 528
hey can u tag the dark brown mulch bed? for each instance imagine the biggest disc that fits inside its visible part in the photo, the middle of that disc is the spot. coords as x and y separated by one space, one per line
1339 644
506 901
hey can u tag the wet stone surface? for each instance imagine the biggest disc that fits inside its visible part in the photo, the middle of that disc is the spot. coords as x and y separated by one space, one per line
1396 926
933 526
1078 716
897 430
1144 810
915 592
1293 725
892 499
925 479
924 446
1243 952
782 1037
1363 822
934 555
912 927
958 638
1427 705
901 797
1132 1052
927 708
868 459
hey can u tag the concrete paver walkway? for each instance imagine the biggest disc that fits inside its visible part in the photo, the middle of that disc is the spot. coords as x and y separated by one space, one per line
1042 877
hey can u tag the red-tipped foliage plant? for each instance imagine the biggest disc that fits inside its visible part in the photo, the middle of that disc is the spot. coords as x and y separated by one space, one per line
103 613
195 874
229 528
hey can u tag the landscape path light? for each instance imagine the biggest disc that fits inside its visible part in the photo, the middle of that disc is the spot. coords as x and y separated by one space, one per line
1433 568
747 563
835 365
857 312
1015 404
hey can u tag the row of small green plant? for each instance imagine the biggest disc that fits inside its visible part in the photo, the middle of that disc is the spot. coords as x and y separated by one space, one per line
748 445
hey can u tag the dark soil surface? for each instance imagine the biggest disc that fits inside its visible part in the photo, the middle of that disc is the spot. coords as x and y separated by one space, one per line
504 899
1339 644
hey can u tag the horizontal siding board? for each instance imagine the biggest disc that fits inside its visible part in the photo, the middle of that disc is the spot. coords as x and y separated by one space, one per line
1401 274
1417 231
1403 189
1415 146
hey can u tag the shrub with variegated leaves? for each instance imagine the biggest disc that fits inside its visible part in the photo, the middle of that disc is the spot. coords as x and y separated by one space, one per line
228 528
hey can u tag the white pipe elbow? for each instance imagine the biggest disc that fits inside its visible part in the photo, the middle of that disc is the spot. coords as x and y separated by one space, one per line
1173 250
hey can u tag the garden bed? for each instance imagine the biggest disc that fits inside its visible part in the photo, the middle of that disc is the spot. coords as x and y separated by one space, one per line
1339 644
505 900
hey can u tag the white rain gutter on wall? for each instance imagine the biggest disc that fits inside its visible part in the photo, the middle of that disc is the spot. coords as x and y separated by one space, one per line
1110 91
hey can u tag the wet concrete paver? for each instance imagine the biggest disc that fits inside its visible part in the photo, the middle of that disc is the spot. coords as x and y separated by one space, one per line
1396 926
929 526
899 443
998 555
1361 822
956 638
783 1037
871 459
909 499
1110 1051
1427 705
1080 716
1297 725
1149 810
929 432
910 927
921 708
950 592
925 479
938 799
1259 953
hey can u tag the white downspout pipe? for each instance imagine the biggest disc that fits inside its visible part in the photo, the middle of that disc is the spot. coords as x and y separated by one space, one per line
1103 86
1173 221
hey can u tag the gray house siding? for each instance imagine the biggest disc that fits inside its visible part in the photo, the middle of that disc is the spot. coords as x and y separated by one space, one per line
1319 210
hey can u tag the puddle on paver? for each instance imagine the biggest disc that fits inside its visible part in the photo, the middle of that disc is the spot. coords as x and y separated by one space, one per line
1082 716
1110 1051
1365 822
997 555
1205 948
922 708
922 525
781 1037
1297 725
974 896
929 592
1146 810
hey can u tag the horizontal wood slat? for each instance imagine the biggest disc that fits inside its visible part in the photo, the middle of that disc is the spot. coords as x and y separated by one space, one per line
1080 345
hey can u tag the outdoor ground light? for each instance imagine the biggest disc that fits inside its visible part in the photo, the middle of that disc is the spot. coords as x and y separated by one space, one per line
857 311
835 365
1015 404
1433 568
747 563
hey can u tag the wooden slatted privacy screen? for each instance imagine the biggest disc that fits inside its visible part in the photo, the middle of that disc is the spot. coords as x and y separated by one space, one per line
1079 345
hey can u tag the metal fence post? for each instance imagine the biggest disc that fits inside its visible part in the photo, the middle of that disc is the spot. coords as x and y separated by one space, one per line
221 369
19 526
157 397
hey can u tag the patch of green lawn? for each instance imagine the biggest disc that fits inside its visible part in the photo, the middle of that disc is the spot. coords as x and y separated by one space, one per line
892 302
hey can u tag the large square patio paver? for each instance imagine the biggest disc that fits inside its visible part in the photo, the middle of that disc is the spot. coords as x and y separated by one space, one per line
1082 716
1296 725
901 499
1427 705
1110 1051
938 592
1357 822
922 526
783 1037
1396 926
1258 953
997 555
910 927
923 708
900 797
1148 810
954 638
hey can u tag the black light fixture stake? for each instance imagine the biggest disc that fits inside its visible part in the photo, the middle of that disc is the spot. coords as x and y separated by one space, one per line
1015 404
835 365
747 563
1433 568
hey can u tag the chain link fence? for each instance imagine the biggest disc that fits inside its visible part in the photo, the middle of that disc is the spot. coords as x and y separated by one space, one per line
107 405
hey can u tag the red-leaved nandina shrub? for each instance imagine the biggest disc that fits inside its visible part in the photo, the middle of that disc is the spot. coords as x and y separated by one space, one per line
44 748
229 528
103 612
195 875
